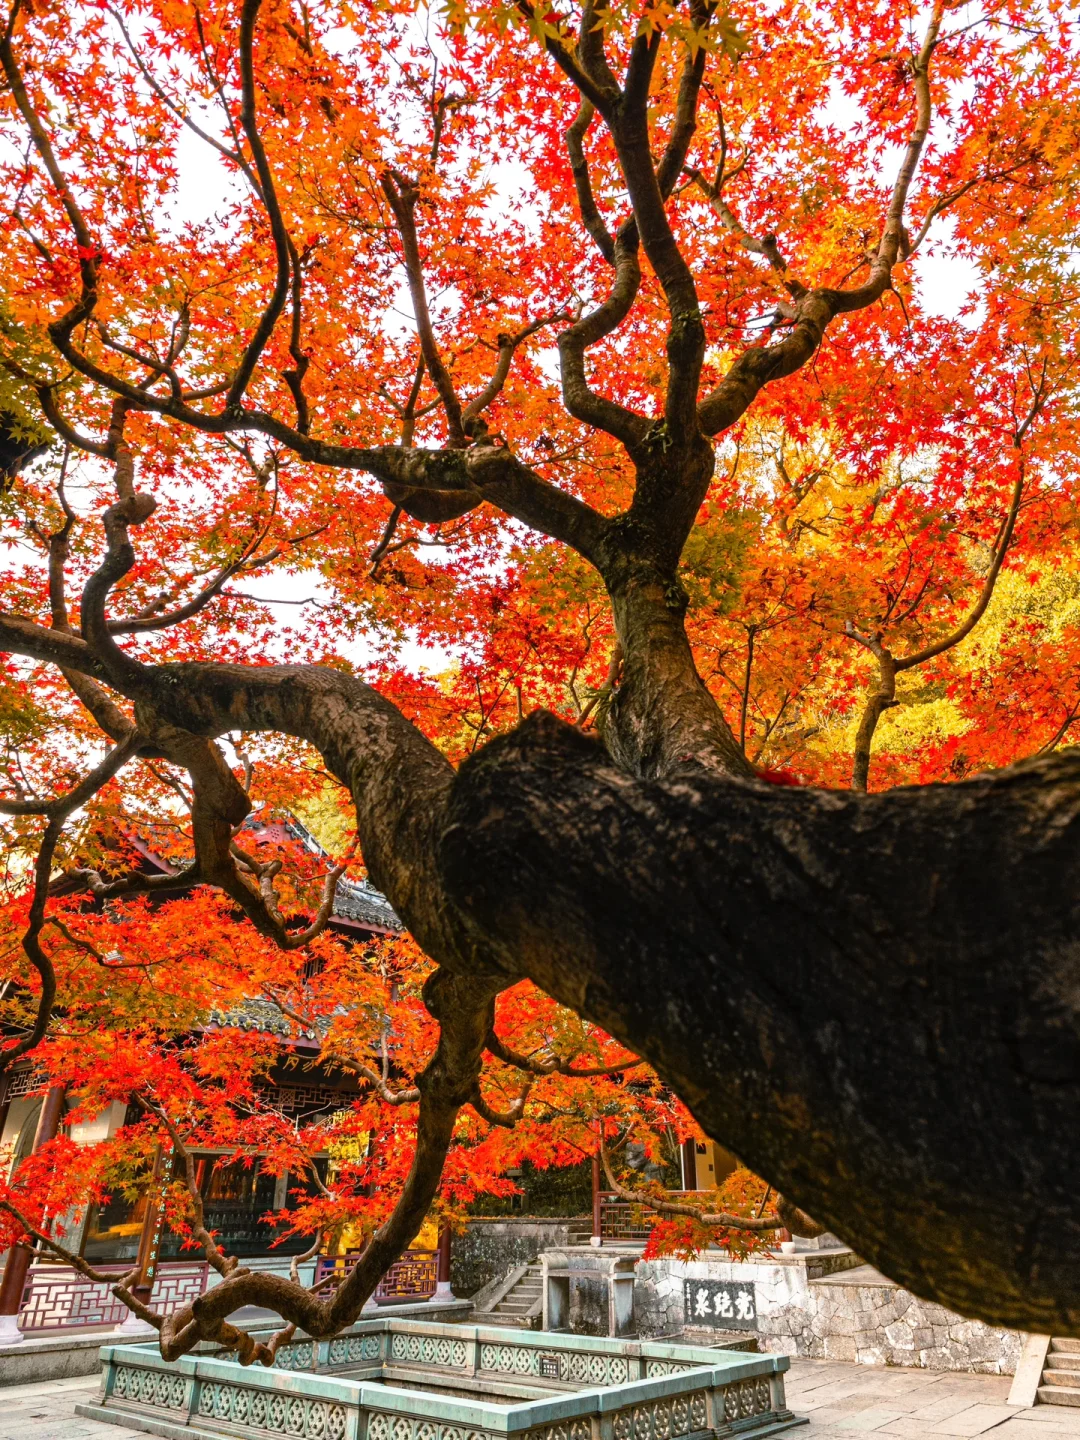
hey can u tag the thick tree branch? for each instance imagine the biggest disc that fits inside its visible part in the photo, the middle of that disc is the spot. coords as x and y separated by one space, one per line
552 1064
662 1206
812 993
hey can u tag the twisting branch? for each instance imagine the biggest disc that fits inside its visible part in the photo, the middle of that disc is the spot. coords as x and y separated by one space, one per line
121 1288
402 196
579 168
882 695
222 1264
282 244
767 246
505 1119
786 1216
57 811
552 1064
816 308
507 345
407 1095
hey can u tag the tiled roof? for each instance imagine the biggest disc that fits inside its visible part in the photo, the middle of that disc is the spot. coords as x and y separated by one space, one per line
355 900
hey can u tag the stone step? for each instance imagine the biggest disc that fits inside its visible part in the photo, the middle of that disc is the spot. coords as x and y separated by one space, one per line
1053 1376
1063 1360
1066 1347
1058 1395
514 1303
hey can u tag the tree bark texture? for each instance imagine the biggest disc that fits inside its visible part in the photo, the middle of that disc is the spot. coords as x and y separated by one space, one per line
874 1000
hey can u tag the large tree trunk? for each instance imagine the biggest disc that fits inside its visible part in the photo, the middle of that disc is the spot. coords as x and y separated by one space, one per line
875 1000
662 717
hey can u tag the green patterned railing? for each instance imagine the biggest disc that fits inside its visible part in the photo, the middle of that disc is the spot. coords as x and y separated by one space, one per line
555 1387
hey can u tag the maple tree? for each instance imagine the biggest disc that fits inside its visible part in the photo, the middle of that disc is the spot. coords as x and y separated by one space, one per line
636 247
159 1018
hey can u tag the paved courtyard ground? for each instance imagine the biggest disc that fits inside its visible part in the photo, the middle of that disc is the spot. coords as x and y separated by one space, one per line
840 1401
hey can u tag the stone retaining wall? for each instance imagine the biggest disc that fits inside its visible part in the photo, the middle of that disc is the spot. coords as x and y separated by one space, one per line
490 1248
829 1307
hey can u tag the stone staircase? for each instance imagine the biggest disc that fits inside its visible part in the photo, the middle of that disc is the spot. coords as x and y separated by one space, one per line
518 1302
1060 1384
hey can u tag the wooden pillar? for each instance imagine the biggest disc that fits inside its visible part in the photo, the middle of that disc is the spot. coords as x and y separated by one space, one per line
597 1213
19 1256
5 1103
442 1264
146 1257
689 1165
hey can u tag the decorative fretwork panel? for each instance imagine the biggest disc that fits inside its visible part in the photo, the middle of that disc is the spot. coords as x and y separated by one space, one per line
663 1419
151 1387
577 1366
428 1350
353 1349
381 1426
25 1082
61 1299
748 1397
656 1368
291 1415
564 1430
307 1099
296 1357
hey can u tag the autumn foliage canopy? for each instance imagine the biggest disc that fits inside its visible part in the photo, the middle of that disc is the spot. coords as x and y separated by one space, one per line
702 375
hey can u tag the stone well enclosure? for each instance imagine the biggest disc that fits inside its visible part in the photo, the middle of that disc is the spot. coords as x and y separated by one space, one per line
407 1380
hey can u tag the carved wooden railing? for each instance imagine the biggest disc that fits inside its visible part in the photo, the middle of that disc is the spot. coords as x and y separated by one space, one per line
58 1298
618 1219
413 1277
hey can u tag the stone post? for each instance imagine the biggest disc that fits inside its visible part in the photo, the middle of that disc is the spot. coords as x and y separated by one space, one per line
556 1290
19 1256
621 1296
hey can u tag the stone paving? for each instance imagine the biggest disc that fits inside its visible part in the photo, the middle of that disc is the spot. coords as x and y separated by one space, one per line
840 1401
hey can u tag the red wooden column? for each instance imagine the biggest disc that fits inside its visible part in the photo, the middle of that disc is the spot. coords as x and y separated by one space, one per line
689 1165
442 1264
597 1214
19 1256
5 1102
146 1259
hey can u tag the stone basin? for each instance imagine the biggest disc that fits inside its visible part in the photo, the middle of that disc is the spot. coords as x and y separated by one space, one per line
393 1379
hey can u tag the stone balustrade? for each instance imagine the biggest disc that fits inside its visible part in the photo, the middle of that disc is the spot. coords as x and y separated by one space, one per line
556 1387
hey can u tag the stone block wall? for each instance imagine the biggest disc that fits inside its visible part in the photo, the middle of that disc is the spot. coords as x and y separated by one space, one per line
828 1306
881 1324
491 1247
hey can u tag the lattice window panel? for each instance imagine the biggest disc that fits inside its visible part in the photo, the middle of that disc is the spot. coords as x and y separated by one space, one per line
293 1098
25 1082
61 1299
